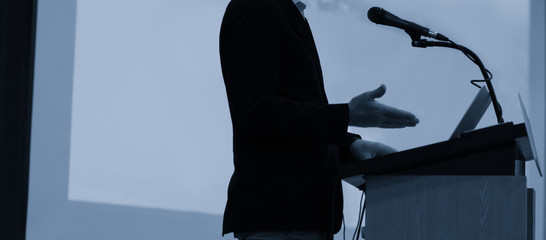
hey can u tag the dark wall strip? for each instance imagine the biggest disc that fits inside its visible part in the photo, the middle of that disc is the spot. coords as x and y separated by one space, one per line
17 38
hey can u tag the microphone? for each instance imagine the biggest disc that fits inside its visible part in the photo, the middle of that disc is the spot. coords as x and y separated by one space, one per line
381 16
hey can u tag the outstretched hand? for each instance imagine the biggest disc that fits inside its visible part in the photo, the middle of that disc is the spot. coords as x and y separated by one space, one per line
365 111
362 149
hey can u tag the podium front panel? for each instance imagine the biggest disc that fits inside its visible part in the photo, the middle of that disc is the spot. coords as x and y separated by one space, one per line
446 207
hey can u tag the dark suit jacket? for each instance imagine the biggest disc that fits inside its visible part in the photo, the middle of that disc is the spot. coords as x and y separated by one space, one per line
287 139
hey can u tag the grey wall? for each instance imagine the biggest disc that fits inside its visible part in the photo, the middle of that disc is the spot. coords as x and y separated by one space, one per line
537 112
346 60
51 215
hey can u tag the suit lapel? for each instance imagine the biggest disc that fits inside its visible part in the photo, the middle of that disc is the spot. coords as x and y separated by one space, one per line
302 28
295 19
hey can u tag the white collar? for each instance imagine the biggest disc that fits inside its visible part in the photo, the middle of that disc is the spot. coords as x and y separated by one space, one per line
295 3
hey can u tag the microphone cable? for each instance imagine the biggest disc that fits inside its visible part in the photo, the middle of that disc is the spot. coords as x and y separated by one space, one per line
361 210
489 74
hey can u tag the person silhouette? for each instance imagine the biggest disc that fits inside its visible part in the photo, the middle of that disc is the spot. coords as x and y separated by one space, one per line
287 138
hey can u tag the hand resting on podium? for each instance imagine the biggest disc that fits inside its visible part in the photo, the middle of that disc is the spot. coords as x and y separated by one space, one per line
363 149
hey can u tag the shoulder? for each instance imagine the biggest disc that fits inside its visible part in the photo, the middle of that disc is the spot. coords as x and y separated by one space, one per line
253 16
257 3
255 7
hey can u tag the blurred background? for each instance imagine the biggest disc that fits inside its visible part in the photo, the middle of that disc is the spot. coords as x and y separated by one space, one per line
131 128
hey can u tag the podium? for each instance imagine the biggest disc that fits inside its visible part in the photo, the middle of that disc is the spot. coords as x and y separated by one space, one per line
471 187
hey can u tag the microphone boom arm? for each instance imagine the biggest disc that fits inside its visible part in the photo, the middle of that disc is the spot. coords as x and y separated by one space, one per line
425 43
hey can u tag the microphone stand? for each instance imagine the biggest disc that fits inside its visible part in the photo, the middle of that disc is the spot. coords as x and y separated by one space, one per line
417 42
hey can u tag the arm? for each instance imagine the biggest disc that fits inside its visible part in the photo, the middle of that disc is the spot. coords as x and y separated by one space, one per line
365 111
250 50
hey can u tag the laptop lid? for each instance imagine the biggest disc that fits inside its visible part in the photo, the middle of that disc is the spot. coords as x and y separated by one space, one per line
474 113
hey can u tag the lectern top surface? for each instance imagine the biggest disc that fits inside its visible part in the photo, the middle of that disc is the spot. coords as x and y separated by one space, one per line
487 151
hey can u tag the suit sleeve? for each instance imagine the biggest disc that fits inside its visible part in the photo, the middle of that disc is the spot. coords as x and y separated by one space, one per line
250 46
345 153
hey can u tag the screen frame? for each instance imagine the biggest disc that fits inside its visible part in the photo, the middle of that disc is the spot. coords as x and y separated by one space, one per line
51 214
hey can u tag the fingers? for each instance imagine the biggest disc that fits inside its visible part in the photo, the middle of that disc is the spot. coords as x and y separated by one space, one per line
401 116
393 117
397 124
364 111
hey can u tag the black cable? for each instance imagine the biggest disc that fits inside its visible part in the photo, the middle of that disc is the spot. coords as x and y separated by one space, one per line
487 75
362 208
361 219
487 79
359 209
464 52
490 75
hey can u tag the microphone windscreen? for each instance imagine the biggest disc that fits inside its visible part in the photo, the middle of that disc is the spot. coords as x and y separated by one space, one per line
376 15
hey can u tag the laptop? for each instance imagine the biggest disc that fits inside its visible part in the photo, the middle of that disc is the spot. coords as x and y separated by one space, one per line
473 114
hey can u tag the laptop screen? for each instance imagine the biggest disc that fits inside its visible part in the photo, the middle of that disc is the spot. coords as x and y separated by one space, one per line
474 113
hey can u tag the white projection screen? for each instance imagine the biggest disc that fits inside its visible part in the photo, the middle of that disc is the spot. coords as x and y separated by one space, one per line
131 135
